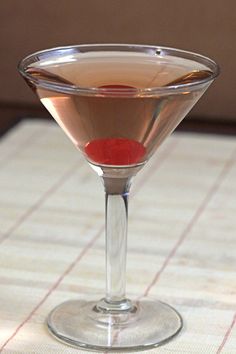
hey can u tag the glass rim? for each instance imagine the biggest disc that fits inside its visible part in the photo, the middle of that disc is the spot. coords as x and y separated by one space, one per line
94 91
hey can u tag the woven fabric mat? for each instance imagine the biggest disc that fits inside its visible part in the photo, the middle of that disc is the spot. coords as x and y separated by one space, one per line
181 243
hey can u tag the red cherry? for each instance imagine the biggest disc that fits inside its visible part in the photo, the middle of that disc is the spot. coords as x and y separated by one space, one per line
115 151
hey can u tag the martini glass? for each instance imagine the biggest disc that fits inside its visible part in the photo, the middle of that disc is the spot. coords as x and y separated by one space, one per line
117 104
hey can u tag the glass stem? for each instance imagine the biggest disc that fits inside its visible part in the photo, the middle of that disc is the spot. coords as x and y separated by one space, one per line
117 193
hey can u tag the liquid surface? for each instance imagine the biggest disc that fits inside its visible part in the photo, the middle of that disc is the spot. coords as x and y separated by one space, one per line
122 128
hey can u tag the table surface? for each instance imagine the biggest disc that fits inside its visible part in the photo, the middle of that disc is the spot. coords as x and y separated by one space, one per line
181 243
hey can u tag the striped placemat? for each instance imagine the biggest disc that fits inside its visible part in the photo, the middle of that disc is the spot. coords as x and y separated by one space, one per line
181 244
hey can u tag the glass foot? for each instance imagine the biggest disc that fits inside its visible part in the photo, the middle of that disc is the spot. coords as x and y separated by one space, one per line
145 325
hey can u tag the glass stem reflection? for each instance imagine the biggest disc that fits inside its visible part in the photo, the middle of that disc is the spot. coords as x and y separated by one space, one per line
117 193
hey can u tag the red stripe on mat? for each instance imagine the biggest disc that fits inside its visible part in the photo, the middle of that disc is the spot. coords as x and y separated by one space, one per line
227 335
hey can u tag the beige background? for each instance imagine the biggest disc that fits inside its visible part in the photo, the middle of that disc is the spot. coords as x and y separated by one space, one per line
204 26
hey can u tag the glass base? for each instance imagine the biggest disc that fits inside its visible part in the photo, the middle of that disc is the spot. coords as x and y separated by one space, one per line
147 324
